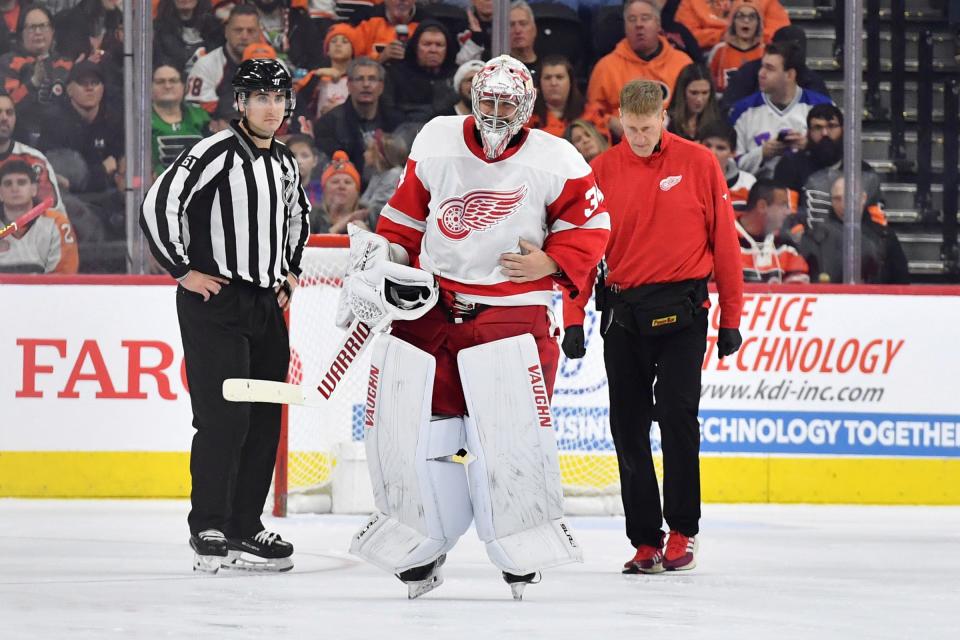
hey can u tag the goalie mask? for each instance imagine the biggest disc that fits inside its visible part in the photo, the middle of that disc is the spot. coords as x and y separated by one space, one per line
502 94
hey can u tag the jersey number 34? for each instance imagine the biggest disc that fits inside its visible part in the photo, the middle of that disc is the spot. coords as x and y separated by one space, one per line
594 197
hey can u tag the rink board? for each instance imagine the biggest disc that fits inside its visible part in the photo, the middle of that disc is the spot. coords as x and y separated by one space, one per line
727 478
835 398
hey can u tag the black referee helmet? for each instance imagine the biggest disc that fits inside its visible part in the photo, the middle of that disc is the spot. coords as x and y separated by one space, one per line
263 74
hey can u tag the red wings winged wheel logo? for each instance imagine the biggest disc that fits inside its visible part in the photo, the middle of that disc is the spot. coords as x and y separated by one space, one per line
478 211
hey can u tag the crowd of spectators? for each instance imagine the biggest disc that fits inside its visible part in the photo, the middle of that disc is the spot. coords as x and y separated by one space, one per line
369 73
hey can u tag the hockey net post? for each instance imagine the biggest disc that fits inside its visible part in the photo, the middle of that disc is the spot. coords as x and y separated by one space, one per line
321 447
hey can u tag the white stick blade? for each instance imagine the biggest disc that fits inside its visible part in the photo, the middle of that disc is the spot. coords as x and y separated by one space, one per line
251 390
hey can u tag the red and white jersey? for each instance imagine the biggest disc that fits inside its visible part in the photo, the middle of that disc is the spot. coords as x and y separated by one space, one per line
455 212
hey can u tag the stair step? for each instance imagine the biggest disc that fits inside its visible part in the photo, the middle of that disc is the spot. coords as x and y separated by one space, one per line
902 216
921 247
915 14
821 42
901 196
926 267
836 89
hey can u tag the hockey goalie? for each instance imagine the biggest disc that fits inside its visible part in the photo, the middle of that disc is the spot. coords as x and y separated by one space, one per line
492 216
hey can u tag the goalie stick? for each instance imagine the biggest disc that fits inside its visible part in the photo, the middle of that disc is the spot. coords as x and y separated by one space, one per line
26 218
355 341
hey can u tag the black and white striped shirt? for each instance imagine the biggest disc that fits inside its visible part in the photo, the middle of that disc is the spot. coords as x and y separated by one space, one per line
227 208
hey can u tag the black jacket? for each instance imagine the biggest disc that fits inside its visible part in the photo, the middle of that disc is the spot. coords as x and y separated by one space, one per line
417 93
95 141
341 128
677 33
882 258
169 46
305 48
74 28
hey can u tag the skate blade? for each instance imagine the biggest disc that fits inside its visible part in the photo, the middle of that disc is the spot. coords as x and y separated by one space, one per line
417 588
237 561
207 564
517 590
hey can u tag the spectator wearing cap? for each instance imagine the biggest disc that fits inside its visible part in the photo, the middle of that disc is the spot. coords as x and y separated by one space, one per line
86 125
709 20
48 244
421 85
341 196
772 123
642 54
384 37
349 126
745 81
34 74
91 28
208 84
181 28
291 32
324 88
176 125
559 101
462 84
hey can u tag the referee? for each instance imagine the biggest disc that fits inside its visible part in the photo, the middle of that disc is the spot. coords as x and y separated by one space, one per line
228 220
671 228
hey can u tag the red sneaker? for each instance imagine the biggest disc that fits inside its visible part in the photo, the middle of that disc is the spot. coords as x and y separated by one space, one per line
647 560
681 553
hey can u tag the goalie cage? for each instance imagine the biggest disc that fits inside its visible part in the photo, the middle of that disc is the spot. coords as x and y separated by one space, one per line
320 459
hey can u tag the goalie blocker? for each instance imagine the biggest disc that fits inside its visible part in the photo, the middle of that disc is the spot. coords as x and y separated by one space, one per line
426 500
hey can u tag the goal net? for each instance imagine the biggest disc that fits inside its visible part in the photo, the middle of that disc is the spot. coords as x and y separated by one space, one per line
315 439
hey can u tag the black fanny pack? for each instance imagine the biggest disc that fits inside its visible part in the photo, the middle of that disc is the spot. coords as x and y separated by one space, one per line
658 309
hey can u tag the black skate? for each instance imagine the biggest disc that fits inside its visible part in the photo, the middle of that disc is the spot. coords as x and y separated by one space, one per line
210 549
519 583
423 579
265 551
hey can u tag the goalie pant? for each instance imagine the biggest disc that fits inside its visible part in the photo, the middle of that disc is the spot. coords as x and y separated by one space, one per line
443 339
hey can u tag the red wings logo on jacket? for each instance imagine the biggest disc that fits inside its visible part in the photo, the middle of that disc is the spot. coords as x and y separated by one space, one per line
477 211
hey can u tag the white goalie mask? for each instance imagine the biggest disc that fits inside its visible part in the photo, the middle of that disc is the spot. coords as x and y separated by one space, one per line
502 94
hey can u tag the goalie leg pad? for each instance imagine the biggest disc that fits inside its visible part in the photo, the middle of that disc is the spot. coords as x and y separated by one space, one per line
515 474
421 495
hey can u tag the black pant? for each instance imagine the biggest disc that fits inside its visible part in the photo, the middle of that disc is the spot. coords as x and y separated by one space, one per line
668 367
238 333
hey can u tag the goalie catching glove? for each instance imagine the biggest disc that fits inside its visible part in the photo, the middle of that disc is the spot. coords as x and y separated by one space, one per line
378 288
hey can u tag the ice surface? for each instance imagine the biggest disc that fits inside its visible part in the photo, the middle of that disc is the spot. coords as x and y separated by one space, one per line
122 569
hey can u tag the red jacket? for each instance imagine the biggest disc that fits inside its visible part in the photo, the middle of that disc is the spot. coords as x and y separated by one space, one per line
670 220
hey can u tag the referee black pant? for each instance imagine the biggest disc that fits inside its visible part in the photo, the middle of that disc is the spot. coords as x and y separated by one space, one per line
238 333
639 369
